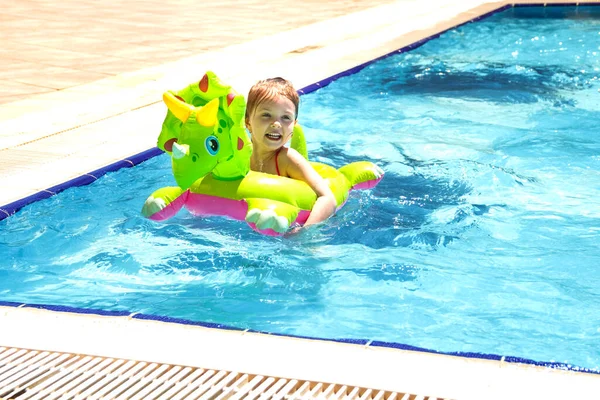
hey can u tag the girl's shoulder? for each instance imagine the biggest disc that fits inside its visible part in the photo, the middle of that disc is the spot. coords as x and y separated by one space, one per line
293 165
290 156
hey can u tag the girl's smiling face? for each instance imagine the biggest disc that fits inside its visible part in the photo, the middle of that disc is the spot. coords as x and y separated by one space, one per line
272 123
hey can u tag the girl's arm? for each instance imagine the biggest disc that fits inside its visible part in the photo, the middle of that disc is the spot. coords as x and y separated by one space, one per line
299 168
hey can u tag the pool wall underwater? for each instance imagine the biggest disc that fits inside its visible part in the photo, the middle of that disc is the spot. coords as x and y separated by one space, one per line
9 209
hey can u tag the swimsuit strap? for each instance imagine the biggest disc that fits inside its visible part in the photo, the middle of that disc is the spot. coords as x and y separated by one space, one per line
276 163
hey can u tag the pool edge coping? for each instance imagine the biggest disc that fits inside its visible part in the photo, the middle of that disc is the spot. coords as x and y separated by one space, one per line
554 365
364 365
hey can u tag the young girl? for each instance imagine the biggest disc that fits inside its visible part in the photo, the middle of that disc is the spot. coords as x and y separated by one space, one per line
271 114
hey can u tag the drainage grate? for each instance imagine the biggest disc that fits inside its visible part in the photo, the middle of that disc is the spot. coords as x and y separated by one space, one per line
31 374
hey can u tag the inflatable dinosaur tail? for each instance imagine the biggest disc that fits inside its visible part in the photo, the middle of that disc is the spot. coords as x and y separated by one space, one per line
362 174
299 141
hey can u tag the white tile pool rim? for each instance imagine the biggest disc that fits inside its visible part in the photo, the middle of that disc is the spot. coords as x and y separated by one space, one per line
128 101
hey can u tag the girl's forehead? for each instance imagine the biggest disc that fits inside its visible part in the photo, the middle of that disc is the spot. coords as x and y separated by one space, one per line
278 102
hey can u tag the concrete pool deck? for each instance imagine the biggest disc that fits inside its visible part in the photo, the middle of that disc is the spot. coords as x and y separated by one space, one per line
82 84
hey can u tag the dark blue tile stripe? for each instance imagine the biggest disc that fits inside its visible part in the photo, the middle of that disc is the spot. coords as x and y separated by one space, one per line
10 209
492 357
76 310
566 4
86 179
160 318
10 304
412 46
360 342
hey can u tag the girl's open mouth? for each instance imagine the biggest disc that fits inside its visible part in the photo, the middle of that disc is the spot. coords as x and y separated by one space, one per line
273 136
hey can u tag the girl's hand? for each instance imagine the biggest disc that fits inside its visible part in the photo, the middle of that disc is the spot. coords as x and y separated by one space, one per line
299 168
292 232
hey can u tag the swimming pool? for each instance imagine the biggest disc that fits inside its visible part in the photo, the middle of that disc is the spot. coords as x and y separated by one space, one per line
482 236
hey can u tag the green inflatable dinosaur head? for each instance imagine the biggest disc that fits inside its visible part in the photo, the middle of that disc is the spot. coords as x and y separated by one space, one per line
204 131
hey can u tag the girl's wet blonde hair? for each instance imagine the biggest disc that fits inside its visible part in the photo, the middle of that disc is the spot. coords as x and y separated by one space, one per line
269 89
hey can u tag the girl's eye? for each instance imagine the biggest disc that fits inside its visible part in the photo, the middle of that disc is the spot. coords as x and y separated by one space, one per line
265 115
212 145
287 117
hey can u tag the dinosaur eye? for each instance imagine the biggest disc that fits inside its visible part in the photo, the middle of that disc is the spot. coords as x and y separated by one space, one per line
212 145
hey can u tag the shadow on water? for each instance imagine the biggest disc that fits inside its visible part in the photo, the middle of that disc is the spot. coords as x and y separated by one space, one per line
442 79
398 211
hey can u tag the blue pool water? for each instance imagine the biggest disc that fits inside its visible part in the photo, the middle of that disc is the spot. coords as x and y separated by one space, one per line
482 237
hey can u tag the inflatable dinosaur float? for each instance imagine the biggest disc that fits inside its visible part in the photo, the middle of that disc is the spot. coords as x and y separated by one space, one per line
205 135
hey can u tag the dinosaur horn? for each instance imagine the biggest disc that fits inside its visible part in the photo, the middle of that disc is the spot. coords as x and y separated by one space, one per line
207 115
180 150
180 109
